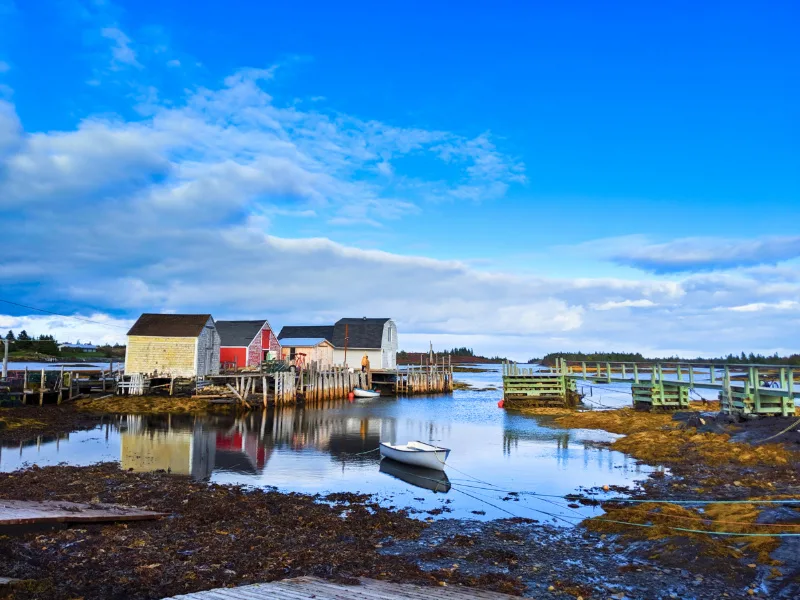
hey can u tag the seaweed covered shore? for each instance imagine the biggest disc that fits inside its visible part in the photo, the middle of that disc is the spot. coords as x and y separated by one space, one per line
216 536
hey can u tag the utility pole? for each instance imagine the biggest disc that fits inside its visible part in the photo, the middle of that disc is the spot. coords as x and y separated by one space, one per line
346 340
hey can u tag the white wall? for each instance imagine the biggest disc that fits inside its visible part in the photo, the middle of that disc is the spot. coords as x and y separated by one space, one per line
354 356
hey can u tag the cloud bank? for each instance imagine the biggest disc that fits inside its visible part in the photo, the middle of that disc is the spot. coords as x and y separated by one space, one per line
177 210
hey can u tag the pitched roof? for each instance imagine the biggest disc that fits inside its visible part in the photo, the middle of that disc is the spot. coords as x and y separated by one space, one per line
362 333
238 333
307 331
169 325
285 342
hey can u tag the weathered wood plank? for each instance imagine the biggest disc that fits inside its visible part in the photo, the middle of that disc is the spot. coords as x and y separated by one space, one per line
310 587
18 512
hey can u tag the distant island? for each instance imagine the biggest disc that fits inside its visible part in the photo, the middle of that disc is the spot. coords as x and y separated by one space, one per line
456 356
614 357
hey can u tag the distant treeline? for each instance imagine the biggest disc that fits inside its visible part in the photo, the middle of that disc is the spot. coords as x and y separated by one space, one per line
743 358
47 345
457 355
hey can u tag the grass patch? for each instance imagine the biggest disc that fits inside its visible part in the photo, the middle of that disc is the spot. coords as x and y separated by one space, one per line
146 404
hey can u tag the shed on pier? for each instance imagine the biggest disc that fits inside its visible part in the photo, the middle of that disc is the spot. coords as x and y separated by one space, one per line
352 338
303 351
247 343
173 346
377 338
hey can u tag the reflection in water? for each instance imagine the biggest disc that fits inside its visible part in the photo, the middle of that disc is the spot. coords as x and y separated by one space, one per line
429 479
332 447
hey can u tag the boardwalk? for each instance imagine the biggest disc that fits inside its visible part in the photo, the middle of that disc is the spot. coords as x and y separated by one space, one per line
17 512
311 587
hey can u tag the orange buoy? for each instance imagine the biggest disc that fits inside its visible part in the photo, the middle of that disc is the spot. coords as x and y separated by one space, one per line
351 396
501 404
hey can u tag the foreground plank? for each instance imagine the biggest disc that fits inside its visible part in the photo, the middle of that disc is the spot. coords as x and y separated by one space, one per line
319 589
19 512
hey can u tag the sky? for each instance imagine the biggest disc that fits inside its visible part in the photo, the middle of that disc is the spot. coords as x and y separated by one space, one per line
519 178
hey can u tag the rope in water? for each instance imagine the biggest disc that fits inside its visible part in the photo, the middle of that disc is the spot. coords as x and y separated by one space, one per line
645 525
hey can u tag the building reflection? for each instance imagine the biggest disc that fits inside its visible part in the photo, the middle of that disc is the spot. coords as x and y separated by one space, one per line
177 445
199 445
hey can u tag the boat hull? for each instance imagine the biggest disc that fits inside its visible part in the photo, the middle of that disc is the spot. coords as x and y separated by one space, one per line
359 393
428 460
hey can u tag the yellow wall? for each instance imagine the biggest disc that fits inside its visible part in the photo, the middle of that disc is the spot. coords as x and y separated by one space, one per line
173 356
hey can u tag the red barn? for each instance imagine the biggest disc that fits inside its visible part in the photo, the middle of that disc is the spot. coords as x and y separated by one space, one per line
246 343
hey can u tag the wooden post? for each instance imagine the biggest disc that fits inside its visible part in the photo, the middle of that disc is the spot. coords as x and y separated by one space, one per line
71 383
6 344
61 386
41 389
264 390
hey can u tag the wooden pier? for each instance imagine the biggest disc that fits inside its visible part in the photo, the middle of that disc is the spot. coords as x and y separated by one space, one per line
369 589
26 386
531 387
741 388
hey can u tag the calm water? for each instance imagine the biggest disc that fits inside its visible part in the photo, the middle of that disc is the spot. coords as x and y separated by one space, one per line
330 448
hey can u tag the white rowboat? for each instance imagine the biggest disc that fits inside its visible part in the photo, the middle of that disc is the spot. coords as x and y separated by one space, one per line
418 454
359 393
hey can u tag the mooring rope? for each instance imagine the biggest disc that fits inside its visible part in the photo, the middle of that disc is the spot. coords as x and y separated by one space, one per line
646 525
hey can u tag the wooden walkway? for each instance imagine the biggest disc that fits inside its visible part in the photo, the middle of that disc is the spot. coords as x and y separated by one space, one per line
20 512
319 589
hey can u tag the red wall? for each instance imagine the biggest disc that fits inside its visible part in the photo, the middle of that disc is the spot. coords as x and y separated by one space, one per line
234 354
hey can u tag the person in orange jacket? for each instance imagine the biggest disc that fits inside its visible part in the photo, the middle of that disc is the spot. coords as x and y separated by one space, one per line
365 363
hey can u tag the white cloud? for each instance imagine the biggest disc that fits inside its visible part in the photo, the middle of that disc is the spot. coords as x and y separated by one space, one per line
106 330
122 52
611 305
763 306
174 63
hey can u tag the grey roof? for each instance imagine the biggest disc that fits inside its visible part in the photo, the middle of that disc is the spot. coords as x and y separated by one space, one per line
302 341
307 331
238 333
362 333
150 324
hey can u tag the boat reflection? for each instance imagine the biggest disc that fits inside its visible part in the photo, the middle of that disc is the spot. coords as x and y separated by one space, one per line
429 479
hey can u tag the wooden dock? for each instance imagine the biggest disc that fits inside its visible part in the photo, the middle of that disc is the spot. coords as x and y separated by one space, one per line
741 389
25 512
319 589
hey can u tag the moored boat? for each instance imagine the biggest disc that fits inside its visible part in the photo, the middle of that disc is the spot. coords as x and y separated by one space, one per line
417 453
362 393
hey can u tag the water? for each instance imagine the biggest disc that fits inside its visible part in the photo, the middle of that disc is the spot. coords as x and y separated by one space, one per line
330 448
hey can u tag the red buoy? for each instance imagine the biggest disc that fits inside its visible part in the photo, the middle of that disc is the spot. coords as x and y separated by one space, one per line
501 404
351 396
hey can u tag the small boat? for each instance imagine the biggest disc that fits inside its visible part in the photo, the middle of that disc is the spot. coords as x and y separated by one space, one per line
429 479
362 393
418 454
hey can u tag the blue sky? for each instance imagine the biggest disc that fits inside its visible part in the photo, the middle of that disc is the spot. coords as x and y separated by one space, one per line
517 177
